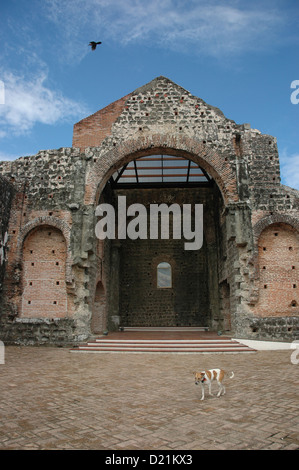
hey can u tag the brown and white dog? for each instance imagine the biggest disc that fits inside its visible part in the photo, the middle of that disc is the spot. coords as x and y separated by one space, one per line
206 377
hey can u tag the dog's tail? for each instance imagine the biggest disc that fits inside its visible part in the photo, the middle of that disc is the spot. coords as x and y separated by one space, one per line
232 375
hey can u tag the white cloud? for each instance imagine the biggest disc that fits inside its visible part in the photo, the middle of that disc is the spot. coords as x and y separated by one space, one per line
30 101
289 165
213 28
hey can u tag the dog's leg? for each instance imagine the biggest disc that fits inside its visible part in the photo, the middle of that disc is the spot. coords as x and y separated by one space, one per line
202 392
210 391
220 389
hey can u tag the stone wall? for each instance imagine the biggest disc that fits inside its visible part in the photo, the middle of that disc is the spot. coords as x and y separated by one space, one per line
7 192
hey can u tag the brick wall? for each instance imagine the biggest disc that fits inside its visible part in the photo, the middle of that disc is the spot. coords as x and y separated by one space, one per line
91 131
278 271
44 274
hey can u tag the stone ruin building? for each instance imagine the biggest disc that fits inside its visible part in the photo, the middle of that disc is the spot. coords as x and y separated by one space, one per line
60 284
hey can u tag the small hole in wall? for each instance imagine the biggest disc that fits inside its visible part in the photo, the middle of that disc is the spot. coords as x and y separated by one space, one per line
264 248
290 248
29 302
32 264
293 303
264 267
294 286
57 283
254 329
265 286
293 267
30 283
276 234
57 264
55 303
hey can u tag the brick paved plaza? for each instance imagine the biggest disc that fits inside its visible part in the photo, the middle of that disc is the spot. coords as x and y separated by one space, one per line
52 398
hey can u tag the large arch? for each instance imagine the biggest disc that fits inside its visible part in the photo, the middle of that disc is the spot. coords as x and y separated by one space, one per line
192 301
198 151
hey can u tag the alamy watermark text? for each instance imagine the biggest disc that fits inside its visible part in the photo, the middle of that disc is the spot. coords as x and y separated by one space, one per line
184 223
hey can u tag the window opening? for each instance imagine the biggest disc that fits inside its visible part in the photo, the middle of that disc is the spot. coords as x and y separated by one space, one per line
164 275
156 170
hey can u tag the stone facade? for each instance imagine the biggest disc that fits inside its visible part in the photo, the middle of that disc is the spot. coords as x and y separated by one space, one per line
61 283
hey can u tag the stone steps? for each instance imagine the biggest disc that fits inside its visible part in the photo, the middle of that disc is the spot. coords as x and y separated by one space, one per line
101 345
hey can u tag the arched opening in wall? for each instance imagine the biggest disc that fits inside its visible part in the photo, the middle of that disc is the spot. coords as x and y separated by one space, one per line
44 269
191 297
164 275
98 319
278 248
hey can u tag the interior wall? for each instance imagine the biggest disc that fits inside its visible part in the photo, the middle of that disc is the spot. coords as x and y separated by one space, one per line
193 298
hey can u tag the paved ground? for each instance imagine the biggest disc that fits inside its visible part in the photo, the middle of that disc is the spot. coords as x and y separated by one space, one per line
54 399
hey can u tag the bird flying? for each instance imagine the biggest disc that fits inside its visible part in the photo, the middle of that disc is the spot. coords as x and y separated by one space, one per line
94 44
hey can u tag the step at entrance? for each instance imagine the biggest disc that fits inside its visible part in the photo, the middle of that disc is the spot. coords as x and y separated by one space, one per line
119 343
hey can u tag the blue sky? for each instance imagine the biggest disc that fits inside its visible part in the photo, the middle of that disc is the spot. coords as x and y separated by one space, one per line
238 55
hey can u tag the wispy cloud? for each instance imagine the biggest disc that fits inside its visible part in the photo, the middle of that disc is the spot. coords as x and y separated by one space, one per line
213 28
290 169
29 101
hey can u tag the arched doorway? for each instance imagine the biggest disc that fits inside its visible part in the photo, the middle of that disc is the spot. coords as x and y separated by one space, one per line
193 298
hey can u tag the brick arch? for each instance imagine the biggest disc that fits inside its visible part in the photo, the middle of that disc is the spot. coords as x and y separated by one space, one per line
50 222
199 152
276 218
264 223
44 293
278 275
258 229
